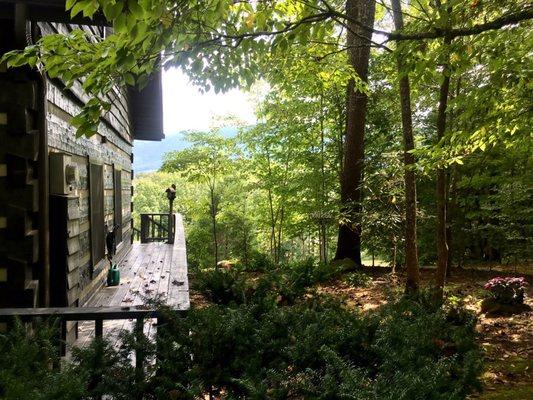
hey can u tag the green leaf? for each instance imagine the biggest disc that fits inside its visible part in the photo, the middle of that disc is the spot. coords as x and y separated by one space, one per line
119 23
112 11
135 9
77 121
69 4
129 79
77 8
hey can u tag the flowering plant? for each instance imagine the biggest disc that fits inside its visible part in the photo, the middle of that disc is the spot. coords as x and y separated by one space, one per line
507 290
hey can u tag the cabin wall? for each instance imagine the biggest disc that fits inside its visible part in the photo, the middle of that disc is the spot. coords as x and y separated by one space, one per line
111 148
33 107
21 116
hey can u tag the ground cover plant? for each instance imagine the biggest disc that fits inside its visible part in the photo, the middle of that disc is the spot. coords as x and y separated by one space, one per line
257 344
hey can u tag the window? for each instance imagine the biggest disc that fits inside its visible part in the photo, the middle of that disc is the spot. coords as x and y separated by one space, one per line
96 201
117 178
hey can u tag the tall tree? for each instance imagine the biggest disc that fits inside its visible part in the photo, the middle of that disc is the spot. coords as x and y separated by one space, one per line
411 249
361 14
441 189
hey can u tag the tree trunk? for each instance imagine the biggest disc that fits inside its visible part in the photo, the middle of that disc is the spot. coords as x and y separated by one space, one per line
245 234
411 250
448 223
273 217
280 232
322 222
394 253
214 222
322 243
442 243
358 40
451 205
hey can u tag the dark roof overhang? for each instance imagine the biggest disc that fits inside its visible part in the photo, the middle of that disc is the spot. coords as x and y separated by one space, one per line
146 105
47 11
146 110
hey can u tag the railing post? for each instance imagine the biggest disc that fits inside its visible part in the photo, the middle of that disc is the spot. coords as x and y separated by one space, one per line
158 227
98 328
144 227
139 353
158 339
98 334
171 228
62 337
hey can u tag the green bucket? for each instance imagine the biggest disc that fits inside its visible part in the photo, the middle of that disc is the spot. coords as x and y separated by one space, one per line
113 276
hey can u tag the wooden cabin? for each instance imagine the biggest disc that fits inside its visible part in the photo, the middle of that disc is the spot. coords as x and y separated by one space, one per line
58 192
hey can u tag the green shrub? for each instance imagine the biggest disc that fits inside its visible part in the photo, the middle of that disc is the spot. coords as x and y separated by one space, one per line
317 349
358 279
29 363
426 351
308 272
250 351
312 348
259 262
285 284
291 281
221 286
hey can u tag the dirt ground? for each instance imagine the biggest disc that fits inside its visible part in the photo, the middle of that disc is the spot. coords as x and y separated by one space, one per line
507 341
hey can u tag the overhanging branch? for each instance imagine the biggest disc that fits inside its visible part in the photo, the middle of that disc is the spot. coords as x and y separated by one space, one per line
500 22
505 20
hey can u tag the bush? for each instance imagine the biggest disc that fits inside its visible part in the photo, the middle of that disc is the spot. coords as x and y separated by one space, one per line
358 279
259 262
221 286
285 284
258 352
29 366
507 290
314 349
309 272
318 349
426 351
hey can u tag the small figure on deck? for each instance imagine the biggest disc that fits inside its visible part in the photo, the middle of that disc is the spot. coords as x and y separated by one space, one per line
113 275
111 242
171 195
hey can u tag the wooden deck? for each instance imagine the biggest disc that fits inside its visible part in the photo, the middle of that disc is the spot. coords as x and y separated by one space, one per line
148 271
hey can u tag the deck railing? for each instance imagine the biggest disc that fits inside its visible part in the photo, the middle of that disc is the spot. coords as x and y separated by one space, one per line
157 227
136 234
96 314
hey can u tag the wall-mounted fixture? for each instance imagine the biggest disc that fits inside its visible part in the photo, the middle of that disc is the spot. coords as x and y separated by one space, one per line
63 174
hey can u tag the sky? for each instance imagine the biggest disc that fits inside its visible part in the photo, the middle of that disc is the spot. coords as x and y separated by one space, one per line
185 107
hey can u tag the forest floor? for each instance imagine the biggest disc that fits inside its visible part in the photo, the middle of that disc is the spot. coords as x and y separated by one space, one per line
507 341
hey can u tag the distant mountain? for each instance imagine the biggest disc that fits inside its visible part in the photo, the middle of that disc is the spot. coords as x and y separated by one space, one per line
148 156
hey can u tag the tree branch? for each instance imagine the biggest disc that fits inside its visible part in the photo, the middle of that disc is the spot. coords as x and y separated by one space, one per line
509 19
505 20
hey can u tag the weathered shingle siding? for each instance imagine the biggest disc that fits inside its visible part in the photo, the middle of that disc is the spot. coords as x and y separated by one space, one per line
112 147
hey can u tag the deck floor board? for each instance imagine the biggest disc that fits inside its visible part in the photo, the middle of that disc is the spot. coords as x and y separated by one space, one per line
149 271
